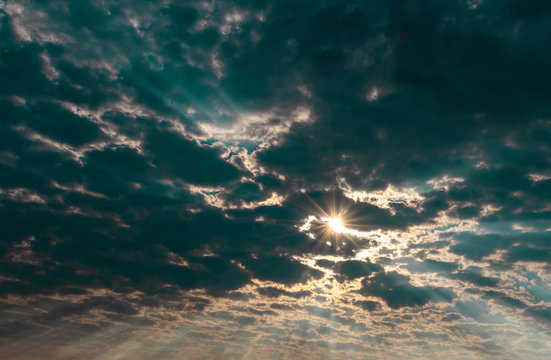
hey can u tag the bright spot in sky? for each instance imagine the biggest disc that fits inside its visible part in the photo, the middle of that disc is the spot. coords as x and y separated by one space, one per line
336 225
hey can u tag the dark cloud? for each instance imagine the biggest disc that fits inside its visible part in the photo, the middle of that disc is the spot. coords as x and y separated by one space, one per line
478 246
177 157
274 292
280 269
397 292
541 313
472 275
429 265
504 299
368 305
354 269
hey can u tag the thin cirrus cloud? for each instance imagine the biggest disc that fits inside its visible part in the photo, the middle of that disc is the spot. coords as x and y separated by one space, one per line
233 179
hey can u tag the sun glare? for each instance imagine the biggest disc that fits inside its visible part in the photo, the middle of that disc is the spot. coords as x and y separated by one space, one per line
336 225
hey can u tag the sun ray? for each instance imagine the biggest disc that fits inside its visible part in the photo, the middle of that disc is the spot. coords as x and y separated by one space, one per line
332 226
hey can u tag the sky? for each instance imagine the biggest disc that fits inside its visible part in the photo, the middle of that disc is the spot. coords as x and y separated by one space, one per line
275 179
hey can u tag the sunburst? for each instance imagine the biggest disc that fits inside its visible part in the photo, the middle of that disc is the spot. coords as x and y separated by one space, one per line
332 223
335 224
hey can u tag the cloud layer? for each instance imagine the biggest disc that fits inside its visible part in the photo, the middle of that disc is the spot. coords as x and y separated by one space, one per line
169 172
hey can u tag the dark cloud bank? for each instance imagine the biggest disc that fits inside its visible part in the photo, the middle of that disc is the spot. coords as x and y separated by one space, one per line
159 162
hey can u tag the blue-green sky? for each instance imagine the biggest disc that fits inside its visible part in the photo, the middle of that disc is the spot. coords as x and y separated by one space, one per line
275 179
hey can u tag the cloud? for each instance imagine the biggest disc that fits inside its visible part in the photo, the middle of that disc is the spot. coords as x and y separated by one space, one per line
353 269
397 292
280 269
167 171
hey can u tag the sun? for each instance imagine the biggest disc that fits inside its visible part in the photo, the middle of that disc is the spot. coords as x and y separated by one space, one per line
336 225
